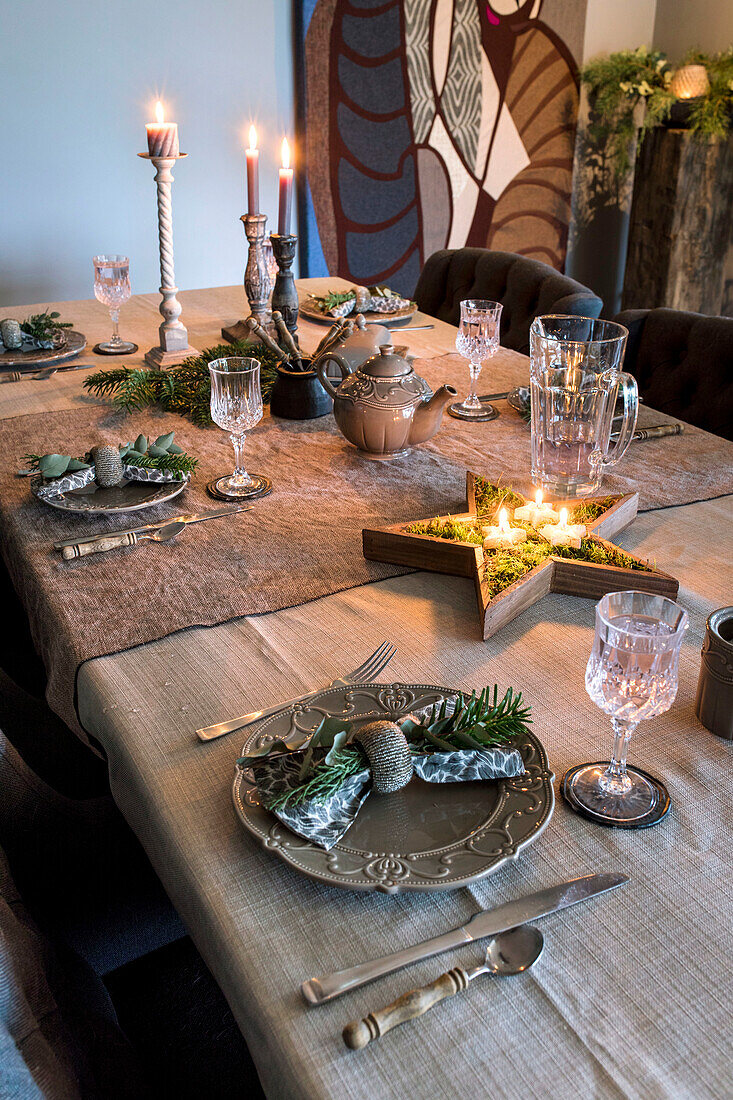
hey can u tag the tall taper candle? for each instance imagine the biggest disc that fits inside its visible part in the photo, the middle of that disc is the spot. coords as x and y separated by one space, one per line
162 135
253 173
286 192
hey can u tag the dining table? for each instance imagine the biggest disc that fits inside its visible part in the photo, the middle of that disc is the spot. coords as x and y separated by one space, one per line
632 996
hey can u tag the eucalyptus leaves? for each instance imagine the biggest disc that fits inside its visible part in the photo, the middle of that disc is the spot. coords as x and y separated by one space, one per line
161 454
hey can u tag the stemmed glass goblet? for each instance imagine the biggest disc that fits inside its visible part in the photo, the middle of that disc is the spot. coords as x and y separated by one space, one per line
477 340
236 406
112 288
632 674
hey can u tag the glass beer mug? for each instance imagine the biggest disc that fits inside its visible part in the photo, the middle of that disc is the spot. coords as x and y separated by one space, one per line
575 383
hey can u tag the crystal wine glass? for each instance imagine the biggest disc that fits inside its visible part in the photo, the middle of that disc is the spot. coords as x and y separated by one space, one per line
477 340
236 406
112 288
632 674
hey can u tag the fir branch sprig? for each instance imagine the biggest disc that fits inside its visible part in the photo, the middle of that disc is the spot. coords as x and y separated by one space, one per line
475 722
44 326
184 388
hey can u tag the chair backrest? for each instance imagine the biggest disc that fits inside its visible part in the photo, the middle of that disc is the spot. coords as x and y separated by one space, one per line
683 364
526 289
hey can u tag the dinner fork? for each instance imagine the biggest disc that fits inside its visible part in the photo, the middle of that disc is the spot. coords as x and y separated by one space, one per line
373 665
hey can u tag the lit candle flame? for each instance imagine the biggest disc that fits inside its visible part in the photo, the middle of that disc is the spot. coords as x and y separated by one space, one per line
504 522
563 517
159 112
286 153
252 138
538 497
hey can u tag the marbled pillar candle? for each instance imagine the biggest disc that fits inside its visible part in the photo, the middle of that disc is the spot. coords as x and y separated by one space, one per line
162 135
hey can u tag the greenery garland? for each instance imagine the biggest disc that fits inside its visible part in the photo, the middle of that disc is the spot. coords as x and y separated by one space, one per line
617 84
478 721
184 389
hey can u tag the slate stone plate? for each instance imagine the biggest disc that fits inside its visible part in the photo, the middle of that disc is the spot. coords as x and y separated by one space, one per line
128 496
34 358
427 836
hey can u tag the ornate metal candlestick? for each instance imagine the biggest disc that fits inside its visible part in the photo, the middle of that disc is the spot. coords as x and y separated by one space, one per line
285 296
256 277
174 346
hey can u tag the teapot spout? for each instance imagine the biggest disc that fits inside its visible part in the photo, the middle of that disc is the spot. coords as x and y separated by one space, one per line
429 414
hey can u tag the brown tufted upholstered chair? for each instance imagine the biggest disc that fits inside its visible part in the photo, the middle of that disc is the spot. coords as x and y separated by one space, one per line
683 364
526 289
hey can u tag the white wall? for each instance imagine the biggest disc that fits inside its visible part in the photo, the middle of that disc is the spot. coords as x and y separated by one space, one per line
78 80
683 24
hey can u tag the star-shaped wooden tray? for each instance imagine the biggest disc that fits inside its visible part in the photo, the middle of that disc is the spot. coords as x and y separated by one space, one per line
569 571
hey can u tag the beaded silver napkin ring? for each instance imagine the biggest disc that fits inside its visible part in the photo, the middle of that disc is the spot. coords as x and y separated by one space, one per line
388 754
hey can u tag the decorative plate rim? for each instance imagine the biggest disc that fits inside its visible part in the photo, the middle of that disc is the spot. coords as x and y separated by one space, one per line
391 872
176 489
36 358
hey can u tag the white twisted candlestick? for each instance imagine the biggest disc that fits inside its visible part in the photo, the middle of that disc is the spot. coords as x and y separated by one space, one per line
174 346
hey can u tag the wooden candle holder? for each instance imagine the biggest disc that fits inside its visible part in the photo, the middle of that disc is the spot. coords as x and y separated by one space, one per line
284 294
174 346
399 546
256 278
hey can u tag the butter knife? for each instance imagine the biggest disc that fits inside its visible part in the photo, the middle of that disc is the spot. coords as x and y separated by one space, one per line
317 991
185 518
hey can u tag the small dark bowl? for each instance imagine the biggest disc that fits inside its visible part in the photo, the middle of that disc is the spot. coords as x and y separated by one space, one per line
299 395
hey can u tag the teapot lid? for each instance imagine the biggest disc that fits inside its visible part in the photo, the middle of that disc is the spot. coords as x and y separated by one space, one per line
388 364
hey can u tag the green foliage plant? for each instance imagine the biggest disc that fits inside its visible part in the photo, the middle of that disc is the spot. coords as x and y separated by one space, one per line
185 388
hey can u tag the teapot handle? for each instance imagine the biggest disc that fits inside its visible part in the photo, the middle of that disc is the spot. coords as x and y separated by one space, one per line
343 366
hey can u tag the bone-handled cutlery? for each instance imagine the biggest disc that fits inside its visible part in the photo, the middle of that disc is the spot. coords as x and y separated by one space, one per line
373 665
317 991
182 521
510 952
114 542
42 375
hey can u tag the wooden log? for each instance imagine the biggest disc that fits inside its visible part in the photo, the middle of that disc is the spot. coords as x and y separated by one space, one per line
681 228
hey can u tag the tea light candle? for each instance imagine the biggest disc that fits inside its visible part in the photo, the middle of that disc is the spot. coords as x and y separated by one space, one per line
562 534
536 513
253 173
162 135
286 192
502 537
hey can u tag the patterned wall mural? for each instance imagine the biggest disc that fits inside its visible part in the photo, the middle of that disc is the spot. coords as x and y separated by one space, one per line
432 124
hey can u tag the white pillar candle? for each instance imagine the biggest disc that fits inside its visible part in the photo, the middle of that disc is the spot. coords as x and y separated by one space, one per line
162 135
536 513
562 533
502 537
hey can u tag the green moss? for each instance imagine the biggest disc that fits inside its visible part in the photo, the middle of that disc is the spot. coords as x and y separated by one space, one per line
504 567
448 529
594 551
587 513
490 497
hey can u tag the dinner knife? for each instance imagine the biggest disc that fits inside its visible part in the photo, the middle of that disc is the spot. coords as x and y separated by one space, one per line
317 991
184 518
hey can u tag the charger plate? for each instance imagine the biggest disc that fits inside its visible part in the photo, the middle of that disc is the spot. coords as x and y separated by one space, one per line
127 496
33 358
428 836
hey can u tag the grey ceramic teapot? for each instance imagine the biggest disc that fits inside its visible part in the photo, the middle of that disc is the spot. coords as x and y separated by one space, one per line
383 407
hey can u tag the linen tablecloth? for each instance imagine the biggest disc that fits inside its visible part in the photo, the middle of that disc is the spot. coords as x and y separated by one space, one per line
631 997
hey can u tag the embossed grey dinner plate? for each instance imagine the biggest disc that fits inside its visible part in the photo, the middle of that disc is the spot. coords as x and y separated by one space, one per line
428 836
372 316
33 358
128 496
